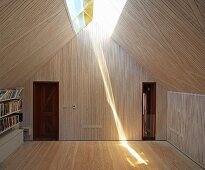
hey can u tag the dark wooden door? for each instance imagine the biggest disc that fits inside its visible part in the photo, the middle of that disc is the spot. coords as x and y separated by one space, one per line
46 111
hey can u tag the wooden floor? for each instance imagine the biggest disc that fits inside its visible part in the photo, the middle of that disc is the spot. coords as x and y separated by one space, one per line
96 156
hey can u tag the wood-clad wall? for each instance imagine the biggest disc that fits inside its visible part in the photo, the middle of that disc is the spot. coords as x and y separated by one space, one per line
168 39
76 68
186 124
30 33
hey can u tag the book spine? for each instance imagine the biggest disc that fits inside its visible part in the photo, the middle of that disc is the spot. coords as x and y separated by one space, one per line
10 107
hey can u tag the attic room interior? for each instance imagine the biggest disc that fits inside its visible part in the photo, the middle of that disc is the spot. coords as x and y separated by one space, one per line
102 84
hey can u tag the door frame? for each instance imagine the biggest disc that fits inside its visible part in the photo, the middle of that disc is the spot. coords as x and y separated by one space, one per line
34 103
154 108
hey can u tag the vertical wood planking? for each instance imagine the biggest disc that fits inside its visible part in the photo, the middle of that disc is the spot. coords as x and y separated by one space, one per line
76 68
186 124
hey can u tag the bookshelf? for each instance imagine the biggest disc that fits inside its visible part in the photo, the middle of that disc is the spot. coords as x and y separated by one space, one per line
11 137
12 126
10 108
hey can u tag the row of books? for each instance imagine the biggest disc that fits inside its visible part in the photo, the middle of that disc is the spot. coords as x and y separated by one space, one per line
10 107
10 94
8 122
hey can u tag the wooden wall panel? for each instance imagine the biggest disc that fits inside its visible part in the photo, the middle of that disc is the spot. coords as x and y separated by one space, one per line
4 2
31 32
76 68
18 75
186 124
161 119
25 16
41 35
168 39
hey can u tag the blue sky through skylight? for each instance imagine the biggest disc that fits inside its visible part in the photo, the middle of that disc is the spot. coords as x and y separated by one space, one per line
81 13
75 7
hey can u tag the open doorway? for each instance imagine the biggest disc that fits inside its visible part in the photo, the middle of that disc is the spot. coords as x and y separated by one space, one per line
148 110
45 110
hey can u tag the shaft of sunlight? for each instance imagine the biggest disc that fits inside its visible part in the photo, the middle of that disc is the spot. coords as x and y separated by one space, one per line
96 43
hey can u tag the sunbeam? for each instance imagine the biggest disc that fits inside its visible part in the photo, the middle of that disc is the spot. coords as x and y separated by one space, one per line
96 43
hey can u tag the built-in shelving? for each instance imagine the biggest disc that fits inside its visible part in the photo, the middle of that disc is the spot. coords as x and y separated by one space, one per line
10 113
10 108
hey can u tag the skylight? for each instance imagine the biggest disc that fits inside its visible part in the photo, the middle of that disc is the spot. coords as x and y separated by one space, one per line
81 13
107 13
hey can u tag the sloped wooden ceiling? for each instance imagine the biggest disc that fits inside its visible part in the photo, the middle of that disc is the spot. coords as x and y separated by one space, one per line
30 32
168 39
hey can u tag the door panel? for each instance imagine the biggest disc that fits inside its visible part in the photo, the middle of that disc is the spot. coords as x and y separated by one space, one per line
46 110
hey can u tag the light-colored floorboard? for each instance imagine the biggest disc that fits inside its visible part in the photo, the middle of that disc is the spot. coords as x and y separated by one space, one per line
96 155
